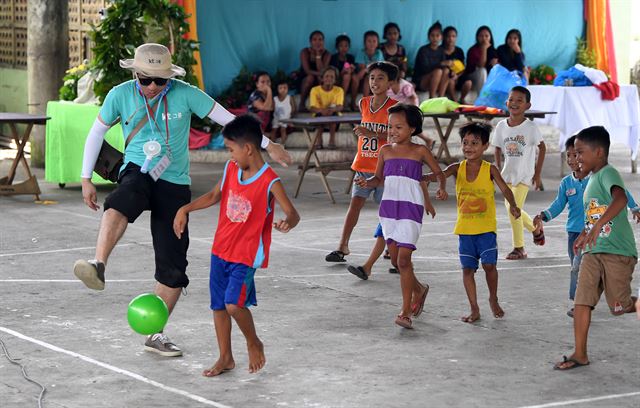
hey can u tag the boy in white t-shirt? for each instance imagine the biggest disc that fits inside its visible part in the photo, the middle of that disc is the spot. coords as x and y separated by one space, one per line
517 138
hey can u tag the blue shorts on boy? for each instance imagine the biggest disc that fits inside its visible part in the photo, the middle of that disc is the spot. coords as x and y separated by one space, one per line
231 283
482 247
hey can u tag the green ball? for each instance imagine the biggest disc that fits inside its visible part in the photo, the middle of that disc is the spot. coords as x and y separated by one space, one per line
147 313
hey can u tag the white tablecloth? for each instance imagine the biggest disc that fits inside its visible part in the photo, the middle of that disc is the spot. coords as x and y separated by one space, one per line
581 107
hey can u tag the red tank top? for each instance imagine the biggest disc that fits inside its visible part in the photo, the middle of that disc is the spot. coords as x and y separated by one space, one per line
366 158
246 215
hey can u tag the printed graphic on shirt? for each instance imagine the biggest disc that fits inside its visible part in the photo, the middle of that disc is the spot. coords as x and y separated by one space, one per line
514 146
470 203
571 192
238 207
594 213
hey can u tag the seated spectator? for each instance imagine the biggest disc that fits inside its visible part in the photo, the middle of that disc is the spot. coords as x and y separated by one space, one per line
344 62
327 100
510 54
452 53
283 108
370 53
261 99
313 60
403 91
480 58
391 50
428 70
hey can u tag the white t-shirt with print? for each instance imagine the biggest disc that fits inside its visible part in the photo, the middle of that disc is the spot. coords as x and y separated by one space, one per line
518 144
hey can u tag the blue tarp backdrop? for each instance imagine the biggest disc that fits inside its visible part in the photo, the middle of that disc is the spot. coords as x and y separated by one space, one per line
269 34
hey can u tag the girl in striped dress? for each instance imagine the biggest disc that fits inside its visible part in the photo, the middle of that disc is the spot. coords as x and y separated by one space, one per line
404 200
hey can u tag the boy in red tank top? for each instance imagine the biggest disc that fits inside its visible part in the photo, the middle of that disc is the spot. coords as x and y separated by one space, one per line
241 245
372 135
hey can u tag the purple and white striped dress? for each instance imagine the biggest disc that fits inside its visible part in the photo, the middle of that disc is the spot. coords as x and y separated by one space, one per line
402 202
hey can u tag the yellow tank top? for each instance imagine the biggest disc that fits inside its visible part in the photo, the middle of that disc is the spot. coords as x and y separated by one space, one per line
476 202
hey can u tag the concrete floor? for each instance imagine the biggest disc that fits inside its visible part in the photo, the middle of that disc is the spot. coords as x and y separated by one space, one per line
329 338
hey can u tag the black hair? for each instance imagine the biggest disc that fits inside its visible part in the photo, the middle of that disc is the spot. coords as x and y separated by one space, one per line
341 38
484 27
387 67
569 142
244 129
314 32
448 29
388 27
481 130
516 32
370 33
412 114
595 136
522 90
258 74
434 26
282 81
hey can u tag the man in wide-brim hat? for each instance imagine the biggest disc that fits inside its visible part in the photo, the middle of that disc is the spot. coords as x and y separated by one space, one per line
154 110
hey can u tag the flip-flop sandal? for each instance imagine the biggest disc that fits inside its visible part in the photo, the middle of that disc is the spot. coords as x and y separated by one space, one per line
358 271
418 307
393 270
404 321
335 256
538 238
516 255
575 364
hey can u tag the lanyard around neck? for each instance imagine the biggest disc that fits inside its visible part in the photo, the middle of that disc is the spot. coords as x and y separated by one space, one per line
150 114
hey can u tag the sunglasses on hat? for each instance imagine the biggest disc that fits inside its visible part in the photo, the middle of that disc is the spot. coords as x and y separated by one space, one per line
148 81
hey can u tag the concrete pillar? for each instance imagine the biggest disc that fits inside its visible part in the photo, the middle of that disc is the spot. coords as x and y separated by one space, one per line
47 61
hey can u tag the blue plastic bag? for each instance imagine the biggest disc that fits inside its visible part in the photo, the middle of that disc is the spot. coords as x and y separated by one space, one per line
571 77
495 91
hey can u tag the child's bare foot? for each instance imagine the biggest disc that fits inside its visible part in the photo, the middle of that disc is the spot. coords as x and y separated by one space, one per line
475 315
221 366
496 309
257 359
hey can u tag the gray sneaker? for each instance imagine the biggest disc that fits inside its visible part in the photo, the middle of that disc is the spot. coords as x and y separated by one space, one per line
91 273
160 343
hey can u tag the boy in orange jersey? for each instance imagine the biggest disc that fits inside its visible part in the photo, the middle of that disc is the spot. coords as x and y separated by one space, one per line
372 135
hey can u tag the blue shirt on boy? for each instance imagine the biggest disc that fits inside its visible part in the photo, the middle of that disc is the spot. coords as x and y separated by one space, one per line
571 192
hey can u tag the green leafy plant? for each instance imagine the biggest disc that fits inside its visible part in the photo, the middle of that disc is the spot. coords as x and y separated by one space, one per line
69 90
542 75
585 55
129 23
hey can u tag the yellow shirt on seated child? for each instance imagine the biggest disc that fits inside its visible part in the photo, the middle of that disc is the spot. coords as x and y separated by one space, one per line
322 99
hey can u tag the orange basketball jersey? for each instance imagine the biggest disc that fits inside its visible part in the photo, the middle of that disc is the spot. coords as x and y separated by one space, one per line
366 159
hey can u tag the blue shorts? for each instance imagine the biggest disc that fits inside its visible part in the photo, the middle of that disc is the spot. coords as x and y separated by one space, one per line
231 284
483 247
378 232
365 192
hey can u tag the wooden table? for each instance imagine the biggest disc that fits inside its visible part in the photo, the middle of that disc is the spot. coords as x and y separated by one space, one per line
29 186
453 118
307 124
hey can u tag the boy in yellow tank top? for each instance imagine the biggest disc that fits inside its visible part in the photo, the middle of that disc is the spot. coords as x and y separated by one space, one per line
476 222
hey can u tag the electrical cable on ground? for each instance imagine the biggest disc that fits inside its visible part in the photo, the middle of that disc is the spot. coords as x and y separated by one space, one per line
24 373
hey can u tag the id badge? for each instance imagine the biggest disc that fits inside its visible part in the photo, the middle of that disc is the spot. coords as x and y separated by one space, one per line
159 168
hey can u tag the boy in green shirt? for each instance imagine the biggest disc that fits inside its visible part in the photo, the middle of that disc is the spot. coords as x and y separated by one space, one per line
607 241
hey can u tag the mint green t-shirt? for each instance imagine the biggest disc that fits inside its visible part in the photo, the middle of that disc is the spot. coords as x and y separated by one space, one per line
616 237
126 103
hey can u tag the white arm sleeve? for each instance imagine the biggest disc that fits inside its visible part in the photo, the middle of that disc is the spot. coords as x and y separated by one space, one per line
222 116
92 147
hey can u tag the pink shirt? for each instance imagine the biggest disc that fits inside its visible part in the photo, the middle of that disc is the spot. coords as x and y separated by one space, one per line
406 92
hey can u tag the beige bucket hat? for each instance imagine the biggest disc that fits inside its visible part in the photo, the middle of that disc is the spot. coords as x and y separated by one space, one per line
154 61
